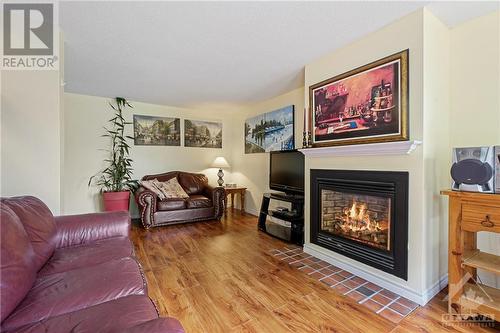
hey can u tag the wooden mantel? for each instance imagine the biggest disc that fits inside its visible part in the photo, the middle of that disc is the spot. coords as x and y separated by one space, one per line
373 149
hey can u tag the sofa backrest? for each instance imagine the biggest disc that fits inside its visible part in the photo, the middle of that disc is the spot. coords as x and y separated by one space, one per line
17 259
39 224
162 177
192 183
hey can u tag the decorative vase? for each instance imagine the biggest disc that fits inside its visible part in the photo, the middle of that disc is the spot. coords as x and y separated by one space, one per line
116 201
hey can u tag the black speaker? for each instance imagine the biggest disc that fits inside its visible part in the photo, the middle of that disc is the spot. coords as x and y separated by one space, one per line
475 169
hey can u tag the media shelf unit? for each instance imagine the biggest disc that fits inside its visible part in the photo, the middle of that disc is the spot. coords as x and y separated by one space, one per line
295 216
470 213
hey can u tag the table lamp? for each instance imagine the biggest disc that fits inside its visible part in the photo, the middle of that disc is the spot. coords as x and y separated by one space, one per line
220 162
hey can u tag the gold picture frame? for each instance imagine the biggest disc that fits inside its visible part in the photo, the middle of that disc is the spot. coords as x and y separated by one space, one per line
368 104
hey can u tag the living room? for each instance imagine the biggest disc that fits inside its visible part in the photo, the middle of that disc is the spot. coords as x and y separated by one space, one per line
370 108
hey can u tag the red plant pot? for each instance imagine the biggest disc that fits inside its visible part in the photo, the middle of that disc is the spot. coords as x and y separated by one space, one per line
116 201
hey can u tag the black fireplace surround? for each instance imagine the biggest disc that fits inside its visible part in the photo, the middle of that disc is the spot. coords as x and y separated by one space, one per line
384 184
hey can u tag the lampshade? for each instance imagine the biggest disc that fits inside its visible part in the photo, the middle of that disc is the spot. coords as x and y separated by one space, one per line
220 162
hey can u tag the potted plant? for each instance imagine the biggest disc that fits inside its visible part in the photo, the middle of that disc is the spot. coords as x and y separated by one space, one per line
116 180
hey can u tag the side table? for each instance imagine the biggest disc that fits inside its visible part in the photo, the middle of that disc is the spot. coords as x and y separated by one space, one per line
232 191
470 213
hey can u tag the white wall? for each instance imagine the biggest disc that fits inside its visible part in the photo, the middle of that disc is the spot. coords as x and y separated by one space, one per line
475 98
84 119
436 148
30 135
31 116
252 170
475 77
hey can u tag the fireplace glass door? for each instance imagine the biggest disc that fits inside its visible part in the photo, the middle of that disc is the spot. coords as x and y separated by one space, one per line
362 218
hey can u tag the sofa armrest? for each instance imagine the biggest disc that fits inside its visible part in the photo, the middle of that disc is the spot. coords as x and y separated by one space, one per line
85 228
159 325
146 201
218 195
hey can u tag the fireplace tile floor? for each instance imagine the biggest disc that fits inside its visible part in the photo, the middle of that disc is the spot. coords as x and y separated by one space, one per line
379 300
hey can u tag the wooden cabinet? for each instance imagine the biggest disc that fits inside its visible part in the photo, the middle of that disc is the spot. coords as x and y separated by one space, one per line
470 213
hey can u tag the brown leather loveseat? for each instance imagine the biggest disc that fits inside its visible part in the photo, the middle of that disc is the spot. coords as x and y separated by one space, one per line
71 273
204 203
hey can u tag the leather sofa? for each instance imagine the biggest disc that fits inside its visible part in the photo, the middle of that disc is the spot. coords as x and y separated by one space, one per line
71 273
204 203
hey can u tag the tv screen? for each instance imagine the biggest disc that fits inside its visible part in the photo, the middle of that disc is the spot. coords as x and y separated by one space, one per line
287 171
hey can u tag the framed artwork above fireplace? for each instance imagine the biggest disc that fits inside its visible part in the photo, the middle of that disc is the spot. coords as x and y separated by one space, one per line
366 105
362 215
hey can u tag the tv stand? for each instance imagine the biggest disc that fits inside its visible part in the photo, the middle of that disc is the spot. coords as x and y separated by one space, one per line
293 217
290 197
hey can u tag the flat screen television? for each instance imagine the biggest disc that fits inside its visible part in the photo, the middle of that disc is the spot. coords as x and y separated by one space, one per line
287 171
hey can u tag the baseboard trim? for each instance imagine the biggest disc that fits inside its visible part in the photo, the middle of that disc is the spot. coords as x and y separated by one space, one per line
247 211
405 291
253 212
435 288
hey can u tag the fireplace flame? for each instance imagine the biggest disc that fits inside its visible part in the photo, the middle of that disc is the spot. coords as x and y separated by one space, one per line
358 219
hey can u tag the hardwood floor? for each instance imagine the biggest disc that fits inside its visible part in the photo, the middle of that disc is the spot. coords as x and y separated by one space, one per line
220 277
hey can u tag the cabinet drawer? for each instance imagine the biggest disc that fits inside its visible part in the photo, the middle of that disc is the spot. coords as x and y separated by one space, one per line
480 218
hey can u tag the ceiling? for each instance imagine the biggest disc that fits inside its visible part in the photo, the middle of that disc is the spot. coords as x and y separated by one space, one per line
198 53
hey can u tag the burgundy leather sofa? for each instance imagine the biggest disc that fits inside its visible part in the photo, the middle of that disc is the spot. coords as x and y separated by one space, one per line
71 273
204 203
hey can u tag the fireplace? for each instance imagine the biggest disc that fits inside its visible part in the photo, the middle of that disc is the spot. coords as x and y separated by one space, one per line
362 215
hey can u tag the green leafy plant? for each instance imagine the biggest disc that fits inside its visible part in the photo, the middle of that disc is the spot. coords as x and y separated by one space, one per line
117 176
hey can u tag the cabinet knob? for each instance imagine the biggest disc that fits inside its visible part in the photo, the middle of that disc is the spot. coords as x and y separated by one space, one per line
487 222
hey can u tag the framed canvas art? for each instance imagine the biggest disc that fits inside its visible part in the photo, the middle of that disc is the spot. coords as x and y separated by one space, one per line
157 131
202 134
365 105
270 131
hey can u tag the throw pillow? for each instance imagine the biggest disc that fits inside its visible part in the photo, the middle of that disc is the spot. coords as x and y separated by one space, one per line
151 185
172 189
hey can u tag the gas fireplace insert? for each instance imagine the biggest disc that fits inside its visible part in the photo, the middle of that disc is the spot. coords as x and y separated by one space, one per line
362 215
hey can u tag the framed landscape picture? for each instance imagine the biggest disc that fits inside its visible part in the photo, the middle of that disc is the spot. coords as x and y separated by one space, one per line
157 131
203 134
270 131
366 105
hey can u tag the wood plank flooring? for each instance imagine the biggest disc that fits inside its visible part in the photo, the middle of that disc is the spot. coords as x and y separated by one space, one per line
220 277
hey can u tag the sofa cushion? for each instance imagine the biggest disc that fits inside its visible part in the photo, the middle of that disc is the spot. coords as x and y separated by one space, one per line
152 186
198 201
74 257
61 293
171 204
193 183
39 224
16 262
114 315
171 189
183 215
